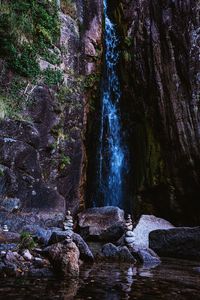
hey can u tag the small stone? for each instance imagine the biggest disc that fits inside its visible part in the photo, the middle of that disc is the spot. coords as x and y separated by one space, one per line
130 233
27 255
129 240
5 228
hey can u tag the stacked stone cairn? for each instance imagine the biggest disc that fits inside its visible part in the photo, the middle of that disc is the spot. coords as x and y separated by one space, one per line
68 226
129 234
5 228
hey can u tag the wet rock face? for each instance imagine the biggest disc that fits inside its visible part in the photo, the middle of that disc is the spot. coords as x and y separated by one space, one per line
160 88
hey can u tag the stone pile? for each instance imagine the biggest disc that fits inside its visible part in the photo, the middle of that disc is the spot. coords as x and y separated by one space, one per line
5 228
129 234
68 222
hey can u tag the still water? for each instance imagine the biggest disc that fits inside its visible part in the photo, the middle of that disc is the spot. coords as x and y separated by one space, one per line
173 280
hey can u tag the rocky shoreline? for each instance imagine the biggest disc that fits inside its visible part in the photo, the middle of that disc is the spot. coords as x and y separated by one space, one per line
42 251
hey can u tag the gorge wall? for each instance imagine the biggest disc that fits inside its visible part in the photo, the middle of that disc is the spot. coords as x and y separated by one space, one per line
44 114
48 122
160 47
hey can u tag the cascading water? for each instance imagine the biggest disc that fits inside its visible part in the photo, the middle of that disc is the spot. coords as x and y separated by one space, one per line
111 156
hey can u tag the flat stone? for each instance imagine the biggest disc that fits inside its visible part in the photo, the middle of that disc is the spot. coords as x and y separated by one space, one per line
130 233
129 240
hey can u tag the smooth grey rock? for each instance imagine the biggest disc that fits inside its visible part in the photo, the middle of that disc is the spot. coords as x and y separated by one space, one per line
146 224
180 242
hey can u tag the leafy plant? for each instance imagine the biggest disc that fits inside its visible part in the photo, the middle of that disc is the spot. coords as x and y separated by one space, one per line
64 161
26 241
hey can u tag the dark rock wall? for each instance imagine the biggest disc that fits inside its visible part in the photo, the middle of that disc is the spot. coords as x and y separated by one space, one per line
159 72
42 156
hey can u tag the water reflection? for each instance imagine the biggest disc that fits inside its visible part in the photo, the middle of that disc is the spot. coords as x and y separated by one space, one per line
177 279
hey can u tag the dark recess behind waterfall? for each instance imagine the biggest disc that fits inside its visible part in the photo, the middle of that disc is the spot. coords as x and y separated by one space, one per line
92 143
161 180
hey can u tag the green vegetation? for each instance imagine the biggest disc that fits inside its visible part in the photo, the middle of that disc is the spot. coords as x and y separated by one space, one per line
64 161
28 28
15 90
69 7
26 241
52 77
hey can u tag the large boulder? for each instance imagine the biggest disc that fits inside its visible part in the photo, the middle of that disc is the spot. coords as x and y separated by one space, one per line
146 224
60 236
64 258
181 242
102 223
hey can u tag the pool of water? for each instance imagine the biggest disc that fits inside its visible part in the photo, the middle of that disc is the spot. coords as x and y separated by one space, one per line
173 279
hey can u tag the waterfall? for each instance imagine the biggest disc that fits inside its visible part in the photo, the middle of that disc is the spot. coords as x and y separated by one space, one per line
111 156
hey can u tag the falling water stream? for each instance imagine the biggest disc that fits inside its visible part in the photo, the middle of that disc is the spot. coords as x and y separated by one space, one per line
111 160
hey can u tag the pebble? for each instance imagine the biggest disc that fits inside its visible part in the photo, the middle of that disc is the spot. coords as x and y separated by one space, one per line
130 233
129 240
27 255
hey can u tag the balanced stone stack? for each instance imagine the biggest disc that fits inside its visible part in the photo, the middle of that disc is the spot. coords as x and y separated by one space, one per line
68 223
5 228
129 235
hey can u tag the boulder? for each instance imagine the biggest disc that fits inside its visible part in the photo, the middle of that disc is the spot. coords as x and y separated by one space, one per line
146 224
102 223
9 237
148 257
114 253
85 252
64 258
42 235
110 251
180 242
